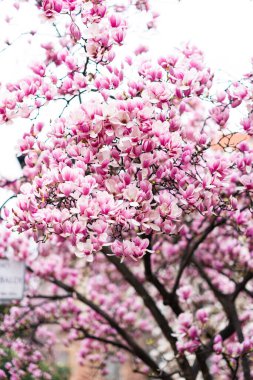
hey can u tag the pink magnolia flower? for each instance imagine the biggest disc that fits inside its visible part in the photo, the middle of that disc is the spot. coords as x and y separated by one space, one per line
220 115
75 31
115 21
51 6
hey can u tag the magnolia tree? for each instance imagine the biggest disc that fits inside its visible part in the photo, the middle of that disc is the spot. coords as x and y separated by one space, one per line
134 211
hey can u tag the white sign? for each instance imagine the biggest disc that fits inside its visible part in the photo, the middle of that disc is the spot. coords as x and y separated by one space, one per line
12 280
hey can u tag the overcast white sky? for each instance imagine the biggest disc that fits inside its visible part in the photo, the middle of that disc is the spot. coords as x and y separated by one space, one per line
221 28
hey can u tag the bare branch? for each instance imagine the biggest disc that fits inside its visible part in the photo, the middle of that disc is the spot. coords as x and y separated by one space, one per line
192 248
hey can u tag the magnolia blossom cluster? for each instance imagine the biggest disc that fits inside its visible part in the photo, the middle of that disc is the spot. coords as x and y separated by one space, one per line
14 247
92 30
114 172
18 361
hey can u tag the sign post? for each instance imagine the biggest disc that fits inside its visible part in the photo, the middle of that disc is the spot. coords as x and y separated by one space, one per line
12 280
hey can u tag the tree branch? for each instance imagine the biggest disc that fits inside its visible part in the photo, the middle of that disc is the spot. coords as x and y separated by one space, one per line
192 248
168 298
241 285
238 328
230 310
51 298
105 340
138 351
152 307
171 300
